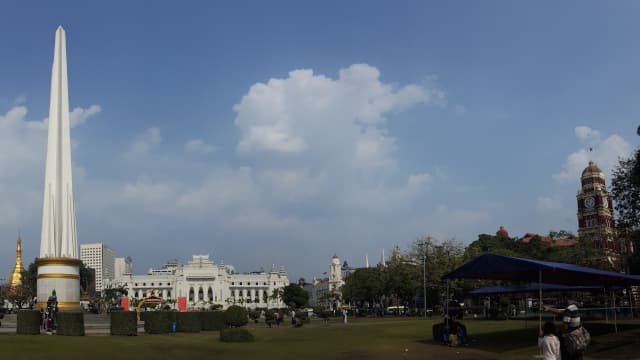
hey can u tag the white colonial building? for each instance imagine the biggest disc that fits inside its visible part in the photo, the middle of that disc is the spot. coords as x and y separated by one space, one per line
325 292
204 283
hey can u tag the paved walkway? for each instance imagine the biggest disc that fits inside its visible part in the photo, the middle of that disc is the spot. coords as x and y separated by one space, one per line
94 324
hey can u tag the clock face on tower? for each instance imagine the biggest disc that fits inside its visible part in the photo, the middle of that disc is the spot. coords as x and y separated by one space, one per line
590 202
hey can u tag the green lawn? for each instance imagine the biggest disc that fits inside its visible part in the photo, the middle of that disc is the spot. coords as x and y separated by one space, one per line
360 339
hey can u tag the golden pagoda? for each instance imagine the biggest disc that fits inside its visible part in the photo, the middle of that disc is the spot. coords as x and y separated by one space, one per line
16 275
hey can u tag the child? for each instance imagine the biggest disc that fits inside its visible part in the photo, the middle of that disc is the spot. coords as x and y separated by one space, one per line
548 342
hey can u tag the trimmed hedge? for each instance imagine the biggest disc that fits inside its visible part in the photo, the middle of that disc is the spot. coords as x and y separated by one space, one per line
236 335
188 322
70 323
213 320
28 322
158 322
236 316
124 323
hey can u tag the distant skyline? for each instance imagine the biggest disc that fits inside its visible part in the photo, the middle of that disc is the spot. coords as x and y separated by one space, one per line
285 133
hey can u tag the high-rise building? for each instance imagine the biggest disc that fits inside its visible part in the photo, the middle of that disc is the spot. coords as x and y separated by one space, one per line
100 258
122 266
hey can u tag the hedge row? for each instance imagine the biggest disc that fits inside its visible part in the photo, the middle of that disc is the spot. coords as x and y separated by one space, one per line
28 322
70 323
213 320
124 323
189 322
159 322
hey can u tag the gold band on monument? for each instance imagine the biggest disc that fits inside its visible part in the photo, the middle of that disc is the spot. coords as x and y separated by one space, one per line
62 305
58 276
58 261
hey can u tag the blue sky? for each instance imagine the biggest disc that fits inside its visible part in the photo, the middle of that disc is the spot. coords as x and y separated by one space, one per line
288 132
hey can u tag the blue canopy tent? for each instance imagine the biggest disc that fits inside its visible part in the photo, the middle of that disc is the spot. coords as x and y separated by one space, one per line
500 267
527 288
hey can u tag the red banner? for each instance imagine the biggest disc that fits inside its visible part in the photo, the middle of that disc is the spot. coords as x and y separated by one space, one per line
124 303
182 303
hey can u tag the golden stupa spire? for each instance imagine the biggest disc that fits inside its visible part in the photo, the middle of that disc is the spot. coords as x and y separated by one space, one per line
16 275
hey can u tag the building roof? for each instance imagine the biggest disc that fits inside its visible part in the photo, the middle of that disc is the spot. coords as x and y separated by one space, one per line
502 231
545 239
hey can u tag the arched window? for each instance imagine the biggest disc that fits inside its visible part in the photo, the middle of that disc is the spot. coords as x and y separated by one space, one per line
210 294
190 294
168 294
200 294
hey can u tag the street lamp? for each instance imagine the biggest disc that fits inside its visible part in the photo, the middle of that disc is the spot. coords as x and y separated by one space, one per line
423 246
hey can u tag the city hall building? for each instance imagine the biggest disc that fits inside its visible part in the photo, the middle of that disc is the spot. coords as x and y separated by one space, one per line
203 283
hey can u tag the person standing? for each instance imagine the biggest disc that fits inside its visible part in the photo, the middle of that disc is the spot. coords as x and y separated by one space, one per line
344 316
549 342
574 338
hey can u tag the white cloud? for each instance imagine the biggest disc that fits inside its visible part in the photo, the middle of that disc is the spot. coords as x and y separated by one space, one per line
144 143
314 113
546 203
420 181
198 146
605 153
587 134
79 116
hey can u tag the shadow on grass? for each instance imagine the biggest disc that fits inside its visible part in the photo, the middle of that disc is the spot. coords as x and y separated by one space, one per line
603 338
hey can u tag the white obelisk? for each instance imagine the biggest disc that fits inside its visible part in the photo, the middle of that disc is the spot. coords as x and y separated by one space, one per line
58 264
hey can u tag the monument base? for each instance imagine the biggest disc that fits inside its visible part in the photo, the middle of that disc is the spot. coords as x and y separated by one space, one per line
63 276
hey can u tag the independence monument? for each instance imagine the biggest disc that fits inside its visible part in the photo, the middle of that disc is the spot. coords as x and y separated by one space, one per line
58 264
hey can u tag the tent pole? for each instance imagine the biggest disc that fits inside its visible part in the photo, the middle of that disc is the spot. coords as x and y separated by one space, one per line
540 307
615 317
606 308
540 299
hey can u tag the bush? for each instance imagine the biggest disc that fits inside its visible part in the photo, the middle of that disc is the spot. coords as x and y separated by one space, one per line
236 335
188 321
158 322
235 316
124 323
213 320
28 322
255 315
70 323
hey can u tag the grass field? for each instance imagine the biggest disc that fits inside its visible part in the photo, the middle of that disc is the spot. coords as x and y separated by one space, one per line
360 339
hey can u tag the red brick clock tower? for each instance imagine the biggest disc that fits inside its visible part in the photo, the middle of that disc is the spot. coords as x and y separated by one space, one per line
595 213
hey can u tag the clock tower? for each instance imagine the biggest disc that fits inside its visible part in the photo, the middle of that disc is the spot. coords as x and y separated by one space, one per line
595 213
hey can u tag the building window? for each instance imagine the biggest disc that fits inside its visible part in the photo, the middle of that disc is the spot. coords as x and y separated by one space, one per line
144 284
240 283
233 283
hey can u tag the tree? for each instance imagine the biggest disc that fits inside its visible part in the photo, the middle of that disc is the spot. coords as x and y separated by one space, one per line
30 278
20 296
625 189
276 296
295 296
363 285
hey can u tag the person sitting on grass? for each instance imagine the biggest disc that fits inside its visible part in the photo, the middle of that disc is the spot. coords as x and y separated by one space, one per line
549 342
